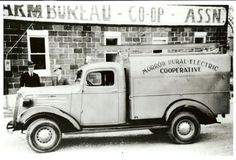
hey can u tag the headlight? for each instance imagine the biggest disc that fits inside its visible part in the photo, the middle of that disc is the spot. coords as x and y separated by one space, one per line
28 101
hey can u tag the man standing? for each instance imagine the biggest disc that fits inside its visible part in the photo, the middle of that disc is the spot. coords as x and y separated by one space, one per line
30 79
61 80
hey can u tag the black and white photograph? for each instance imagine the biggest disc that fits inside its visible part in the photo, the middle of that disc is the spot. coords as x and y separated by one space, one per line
117 79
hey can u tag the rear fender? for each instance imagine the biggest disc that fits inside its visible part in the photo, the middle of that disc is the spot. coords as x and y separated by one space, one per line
190 105
25 116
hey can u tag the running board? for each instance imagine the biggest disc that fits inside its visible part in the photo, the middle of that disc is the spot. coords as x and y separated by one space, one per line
116 128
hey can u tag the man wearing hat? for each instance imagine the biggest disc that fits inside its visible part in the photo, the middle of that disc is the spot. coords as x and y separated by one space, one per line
60 79
30 79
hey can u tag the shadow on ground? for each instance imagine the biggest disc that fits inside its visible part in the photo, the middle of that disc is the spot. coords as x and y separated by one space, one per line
209 134
93 141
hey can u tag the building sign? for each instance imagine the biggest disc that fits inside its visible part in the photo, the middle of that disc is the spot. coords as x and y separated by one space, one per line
125 13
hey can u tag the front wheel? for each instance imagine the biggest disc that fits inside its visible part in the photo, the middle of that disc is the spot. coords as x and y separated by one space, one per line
185 128
43 135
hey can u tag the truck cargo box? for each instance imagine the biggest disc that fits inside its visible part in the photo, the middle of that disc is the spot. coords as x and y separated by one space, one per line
157 81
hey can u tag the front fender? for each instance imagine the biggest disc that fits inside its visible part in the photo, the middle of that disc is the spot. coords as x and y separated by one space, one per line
186 104
27 114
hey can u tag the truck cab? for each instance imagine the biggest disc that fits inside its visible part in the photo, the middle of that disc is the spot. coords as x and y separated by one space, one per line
102 95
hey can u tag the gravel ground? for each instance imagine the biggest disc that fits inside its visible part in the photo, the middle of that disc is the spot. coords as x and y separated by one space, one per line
215 140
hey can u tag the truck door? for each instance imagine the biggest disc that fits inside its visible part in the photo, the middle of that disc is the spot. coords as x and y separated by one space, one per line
100 98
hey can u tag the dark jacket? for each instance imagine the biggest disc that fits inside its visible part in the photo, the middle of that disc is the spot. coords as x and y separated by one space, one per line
29 81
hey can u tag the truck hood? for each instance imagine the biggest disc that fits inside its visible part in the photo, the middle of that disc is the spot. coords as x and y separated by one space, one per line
50 96
53 90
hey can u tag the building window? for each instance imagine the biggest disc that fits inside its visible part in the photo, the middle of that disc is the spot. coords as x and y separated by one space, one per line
200 37
111 41
157 51
112 38
38 51
111 56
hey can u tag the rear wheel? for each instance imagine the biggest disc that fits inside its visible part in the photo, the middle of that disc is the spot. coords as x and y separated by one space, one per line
43 135
185 128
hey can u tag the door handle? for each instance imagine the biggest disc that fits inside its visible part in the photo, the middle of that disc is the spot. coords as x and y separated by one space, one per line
114 91
51 96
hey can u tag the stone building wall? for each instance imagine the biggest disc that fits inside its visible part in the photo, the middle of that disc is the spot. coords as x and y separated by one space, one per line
69 44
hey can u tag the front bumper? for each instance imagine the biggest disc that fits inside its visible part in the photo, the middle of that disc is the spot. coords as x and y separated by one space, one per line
10 126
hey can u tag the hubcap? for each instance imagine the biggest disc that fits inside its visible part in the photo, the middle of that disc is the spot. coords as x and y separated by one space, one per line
185 129
45 137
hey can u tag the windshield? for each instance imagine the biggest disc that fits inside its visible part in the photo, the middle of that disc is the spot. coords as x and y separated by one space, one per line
78 76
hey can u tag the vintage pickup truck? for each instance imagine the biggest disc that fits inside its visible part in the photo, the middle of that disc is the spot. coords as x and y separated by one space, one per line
176 92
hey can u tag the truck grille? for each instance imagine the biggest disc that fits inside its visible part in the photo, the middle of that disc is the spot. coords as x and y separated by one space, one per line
17 105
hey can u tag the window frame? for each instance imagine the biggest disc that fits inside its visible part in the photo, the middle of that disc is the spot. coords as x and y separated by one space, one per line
112 53
100 71
101 86
112 35
40 34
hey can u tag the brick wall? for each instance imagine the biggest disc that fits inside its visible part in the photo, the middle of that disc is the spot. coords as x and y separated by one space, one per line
69 44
